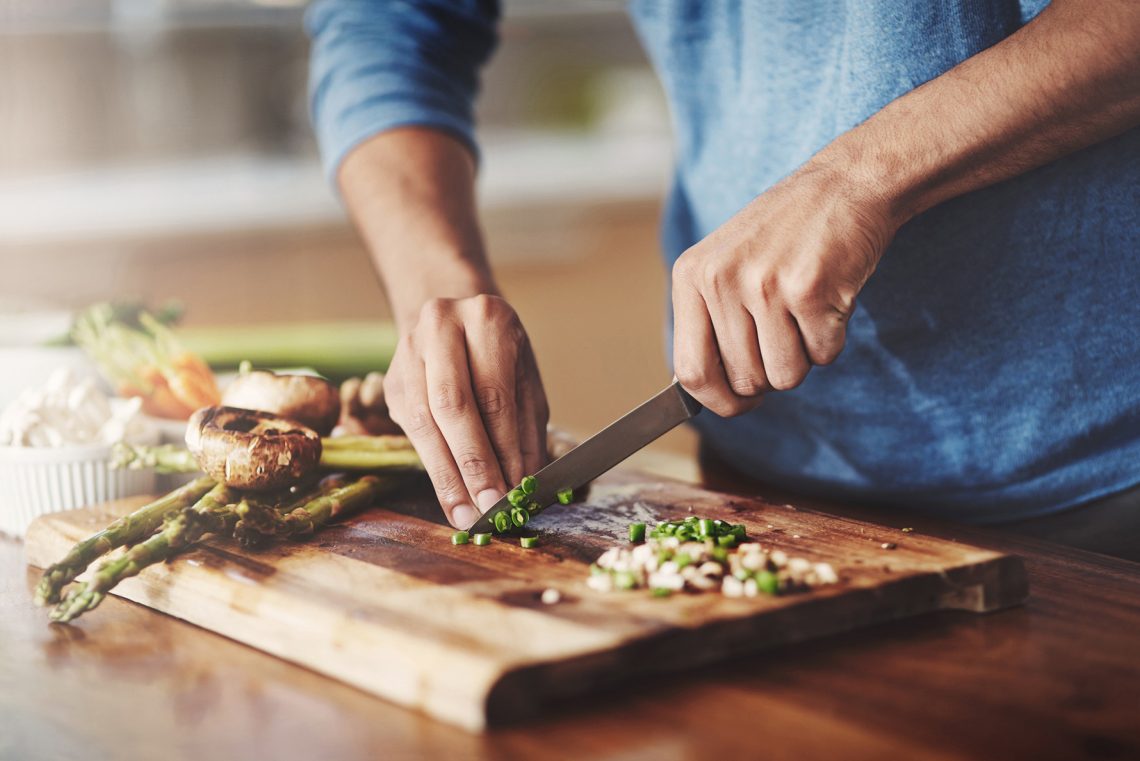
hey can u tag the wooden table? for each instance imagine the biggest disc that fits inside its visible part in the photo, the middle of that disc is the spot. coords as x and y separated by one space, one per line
1057 679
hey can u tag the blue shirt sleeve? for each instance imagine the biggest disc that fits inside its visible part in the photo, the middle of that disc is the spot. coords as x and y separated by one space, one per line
380 64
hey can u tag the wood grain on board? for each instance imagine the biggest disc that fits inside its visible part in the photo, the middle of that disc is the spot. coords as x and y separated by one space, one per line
385 602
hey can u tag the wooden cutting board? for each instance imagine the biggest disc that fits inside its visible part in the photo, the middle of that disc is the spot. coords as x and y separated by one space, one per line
385 602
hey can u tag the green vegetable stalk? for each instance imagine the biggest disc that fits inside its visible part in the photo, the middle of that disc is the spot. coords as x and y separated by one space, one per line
357 454
210 514
129 529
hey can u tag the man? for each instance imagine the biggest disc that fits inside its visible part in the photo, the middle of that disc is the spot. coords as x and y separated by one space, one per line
968 170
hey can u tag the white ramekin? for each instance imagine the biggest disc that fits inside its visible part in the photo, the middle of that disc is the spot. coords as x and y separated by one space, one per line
35 481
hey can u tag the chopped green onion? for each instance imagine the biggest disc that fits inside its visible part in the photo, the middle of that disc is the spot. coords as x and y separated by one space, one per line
528 542
565 496
684 533
460 537
719 554
519 516
728 540
533 507
625 580
517 497
481 540
637 532
529 484
502 521
740 532
662 592
707 528
767 582
683 559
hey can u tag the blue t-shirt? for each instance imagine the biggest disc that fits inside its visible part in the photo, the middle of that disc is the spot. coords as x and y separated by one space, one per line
992 368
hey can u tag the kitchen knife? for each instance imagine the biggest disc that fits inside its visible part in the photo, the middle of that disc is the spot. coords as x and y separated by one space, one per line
605 449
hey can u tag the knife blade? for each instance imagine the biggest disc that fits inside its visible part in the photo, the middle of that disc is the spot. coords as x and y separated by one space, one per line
641 426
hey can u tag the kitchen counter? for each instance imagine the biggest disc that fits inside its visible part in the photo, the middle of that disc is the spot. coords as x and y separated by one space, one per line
1057 678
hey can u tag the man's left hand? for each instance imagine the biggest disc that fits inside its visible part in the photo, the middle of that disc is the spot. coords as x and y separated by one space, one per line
769 293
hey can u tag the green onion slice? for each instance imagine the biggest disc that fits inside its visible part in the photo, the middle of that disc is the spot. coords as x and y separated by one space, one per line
528 542
637 532
460 537
502 521
529 484
481 540
565 496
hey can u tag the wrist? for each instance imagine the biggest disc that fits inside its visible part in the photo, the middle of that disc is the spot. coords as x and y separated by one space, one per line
440 276
880 173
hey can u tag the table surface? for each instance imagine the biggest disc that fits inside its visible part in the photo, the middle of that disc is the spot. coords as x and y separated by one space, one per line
1057 678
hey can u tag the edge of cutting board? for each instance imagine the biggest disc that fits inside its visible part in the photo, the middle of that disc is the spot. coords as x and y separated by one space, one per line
477 689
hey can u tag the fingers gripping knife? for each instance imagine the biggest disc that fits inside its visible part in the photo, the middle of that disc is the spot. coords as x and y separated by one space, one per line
605 449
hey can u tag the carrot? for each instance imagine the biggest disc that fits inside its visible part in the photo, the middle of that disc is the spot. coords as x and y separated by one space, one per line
147 361
161 400
192 381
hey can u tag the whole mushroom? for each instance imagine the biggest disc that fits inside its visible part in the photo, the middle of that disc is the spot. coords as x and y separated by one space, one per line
311 401
248 449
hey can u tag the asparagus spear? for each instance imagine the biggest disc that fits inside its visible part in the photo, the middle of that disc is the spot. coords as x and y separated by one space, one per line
168 458
365 460
317 509
258 519
368 443
210 514
363 453
126 530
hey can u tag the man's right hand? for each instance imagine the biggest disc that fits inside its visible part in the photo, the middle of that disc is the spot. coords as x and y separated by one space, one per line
464 386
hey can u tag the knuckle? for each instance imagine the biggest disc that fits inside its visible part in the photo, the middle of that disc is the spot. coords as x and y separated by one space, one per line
824 352
746 385
435 312
473 465
685 268
763 285
488 307
786 378
393 390
692 375
415 419
844 304
492 400
802 296
449 399
449 488
723 407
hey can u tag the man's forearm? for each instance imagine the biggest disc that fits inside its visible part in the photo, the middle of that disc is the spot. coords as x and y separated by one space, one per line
1067 80
411 193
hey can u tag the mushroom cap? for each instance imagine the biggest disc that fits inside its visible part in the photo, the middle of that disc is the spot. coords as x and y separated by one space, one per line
252 450
309 400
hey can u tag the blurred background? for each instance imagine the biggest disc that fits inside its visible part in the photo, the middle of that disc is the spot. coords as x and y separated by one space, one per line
161 150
